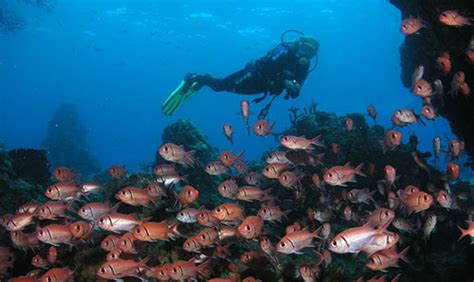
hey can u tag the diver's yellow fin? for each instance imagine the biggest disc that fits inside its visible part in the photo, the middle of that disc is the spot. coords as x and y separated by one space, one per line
177 96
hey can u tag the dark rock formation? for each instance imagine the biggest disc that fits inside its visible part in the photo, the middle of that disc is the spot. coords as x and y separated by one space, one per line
66 143
430 43
31 165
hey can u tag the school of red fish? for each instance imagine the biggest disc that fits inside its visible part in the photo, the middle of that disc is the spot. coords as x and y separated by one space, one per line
210 232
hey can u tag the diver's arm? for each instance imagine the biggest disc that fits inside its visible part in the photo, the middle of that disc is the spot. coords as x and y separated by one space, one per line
293 84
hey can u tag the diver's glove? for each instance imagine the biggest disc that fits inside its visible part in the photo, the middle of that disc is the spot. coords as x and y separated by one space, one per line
292 88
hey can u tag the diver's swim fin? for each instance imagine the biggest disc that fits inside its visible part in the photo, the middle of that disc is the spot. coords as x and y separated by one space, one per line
177 96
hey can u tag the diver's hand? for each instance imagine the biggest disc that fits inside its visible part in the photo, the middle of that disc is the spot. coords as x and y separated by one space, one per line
292 88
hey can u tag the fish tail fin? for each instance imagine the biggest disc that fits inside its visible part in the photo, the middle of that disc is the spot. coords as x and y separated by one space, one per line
173 231
285 213
403 255
464 232
315 141
203 269
358 170
189 159
69 205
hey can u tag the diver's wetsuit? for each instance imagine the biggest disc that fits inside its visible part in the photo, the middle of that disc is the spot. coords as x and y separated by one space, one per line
265 75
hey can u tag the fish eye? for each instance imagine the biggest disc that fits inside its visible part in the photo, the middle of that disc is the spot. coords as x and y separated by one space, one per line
78 227
203 236
334 243
208 167
372 260
267 169
224 187
175 270
419 87
49 279
202 215
101 220
162 273
83 210
188 244
330 174
247 227
166 149
425 197
282 244
123 193
387 213
102 269
190 192
218 210
444 15
138 230
106 243
41 233
180 214
404 26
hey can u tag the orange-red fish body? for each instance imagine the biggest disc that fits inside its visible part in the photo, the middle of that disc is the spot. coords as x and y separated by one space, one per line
251 227
205 218
453 18
55 234
109 243
90 187
417 202
428 112
277 157
422 88
119 268
444 62
253 178
154 231
81 230
93 211
300 142
349 124
411 26
62 191
288 179
228 189
53 209
117 171
229 212
19 221
272 213
251 193
263 128
39 262
228 158
293 243
118 222
187 196
135 196
207 237
187 270
64 174
452 171
340 175
58 275
273 170
176 154
155 190
164 169
216 168
228 132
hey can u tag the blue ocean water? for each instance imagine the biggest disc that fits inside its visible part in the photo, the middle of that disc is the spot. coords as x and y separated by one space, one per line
118 60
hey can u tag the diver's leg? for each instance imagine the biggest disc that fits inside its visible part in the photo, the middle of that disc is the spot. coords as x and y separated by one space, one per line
240 82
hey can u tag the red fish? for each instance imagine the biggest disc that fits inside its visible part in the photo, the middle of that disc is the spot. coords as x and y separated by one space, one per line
340 175
403 117
251 227
216 168
372 112
64 174
187 195
274 170
55 234
272 213
349 124
454 18
452 171
207 237
155 231
428 112
52 255
90 187
176 154
228 133
468 231
422 88
444 62
81 230
251 193
164 169
93 211
393 139
296 143
155 190
417 201
117 171
117 222
205 218
277 157
390 175
228 212
263 128
228 158
411 25
228 189
187 270
62 191
385 259
135 196
120 268
58 274
19 221
245 111
294 242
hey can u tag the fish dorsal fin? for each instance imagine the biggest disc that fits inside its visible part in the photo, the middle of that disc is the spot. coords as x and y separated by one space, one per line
348 164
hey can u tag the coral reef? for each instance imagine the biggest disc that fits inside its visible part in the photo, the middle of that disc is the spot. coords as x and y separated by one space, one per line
440 258
424 47
66 143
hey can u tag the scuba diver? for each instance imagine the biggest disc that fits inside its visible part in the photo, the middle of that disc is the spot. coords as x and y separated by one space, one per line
285 67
